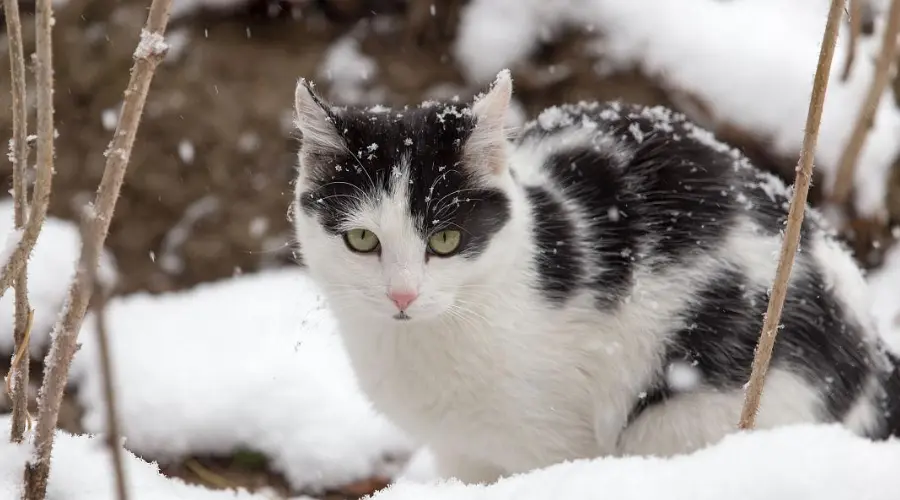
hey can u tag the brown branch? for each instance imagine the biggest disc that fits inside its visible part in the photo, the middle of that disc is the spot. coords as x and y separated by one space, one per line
150 51
843 181
13 267
855 18
795 220
113 440
18 371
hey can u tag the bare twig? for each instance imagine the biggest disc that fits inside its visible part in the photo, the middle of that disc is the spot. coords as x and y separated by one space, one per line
18 371
855 18
150 51
13 267
843 181
113 440
794 222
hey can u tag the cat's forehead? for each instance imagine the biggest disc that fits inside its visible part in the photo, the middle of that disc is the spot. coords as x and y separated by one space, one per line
418 129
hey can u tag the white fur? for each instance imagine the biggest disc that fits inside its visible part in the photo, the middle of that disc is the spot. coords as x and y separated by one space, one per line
494 379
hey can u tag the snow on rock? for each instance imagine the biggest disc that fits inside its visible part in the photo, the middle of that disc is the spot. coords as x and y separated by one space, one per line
804 461
50 269
757 79
250 362
81 470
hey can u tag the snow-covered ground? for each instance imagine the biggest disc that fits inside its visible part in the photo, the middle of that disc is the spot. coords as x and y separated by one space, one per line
751 61
81 470
790 463
48 274
250 362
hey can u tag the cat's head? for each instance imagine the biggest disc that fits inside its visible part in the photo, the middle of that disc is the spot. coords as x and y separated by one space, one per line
397 210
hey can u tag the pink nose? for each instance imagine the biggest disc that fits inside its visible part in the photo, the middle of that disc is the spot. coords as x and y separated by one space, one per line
402 299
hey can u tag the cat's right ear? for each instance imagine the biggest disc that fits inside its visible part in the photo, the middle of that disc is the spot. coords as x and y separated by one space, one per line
314 119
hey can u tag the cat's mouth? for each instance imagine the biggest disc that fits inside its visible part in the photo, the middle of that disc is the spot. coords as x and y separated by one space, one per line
402 316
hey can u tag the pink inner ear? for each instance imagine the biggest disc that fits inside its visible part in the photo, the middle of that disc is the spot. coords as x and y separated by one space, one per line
492 107
486 146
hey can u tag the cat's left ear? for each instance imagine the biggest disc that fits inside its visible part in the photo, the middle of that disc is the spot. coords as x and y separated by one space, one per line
487 143
314 119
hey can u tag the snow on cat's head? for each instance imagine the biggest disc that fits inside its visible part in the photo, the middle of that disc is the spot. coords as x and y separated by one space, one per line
397 210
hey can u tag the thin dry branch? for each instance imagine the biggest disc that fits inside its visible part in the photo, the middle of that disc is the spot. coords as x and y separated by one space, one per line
113 440
843 181
18 371
855 18
795 220
150 51
12 268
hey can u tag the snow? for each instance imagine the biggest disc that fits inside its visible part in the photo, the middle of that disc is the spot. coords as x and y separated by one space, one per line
186 151
804 461
151 44
250 362
50 268
349 72
109 118
756 79
81 470
13 238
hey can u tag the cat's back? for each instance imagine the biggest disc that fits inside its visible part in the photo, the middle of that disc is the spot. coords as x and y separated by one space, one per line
651 213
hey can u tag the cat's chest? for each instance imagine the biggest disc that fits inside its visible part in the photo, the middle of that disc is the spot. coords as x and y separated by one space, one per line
526 401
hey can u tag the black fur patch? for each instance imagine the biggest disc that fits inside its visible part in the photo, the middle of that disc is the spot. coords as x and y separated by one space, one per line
558 254
722 328
590 178
441 192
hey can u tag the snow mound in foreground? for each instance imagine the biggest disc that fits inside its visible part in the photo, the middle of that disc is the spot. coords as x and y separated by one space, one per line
250 362
81 470
790 463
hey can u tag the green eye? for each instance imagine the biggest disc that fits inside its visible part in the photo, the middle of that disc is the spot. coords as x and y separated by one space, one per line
361 240
445 242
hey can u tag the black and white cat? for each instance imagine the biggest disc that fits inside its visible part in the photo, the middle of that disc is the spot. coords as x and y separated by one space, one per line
594 287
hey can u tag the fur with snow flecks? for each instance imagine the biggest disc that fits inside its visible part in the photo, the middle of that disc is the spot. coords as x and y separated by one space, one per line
606 293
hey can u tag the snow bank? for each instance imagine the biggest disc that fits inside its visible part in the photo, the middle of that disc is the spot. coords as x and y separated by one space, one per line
81 470
50 269
250 362
751 61
807 461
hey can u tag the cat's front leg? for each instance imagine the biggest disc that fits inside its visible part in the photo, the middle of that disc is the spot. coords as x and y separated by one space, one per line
466 469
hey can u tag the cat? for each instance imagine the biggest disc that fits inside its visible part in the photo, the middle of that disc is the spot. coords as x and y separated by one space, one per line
594 286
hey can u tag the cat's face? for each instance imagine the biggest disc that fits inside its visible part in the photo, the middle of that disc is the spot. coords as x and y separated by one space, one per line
396 210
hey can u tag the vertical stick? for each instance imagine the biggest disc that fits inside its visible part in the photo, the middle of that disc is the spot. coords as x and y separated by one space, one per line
795 220
113 440
19 156
855 15
149 53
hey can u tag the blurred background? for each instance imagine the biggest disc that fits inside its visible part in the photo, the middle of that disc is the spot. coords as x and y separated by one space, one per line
208 185
209 182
